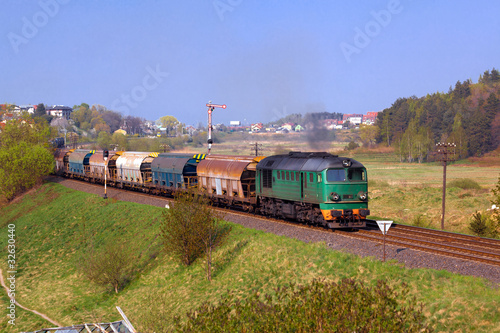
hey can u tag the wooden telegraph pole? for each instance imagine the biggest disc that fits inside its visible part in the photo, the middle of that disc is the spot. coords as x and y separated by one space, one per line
443 155
257 147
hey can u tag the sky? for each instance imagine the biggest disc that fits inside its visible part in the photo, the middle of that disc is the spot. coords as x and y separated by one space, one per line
264 59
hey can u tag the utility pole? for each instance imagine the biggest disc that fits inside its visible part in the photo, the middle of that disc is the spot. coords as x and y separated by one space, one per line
256 147
210 110
165 147
443 154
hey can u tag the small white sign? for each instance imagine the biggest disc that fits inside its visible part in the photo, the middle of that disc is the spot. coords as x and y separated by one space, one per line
384 226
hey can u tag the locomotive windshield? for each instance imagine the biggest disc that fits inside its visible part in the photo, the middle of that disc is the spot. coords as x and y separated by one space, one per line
335 175
356 174
339 175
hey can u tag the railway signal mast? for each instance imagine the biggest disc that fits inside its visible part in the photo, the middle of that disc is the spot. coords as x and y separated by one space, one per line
211 108
105 154
445 155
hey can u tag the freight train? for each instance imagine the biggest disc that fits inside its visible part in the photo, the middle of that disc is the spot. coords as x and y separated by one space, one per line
309 187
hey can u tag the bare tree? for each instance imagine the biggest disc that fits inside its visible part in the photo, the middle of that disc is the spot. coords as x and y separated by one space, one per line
111 266
192 228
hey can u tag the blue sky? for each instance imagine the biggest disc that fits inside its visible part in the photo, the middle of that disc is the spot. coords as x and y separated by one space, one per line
264 59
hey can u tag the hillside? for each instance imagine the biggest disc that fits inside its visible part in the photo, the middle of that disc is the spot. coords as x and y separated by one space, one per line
467 115
55 227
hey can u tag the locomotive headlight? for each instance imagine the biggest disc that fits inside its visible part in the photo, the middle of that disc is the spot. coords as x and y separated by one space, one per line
362 195
334 196
346 163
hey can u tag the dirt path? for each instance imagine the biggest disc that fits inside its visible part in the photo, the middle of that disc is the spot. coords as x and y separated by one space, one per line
44 316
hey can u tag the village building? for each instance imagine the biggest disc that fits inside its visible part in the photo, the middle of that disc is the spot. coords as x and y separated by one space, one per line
59 111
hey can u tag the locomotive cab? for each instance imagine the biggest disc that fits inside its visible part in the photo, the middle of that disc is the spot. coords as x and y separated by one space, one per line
345 194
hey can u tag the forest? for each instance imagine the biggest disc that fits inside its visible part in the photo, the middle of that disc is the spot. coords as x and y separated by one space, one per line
467 115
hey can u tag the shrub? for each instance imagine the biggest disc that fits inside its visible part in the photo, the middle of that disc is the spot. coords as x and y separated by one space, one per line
348 306
351 146
191 228
112 266
420 221
24 156
496 212
465 184
482 226
478 224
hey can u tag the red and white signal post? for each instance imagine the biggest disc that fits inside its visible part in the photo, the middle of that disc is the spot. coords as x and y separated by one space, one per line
210 110
105 155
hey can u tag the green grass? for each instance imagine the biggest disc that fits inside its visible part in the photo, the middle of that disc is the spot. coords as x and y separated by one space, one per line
55 226
404 191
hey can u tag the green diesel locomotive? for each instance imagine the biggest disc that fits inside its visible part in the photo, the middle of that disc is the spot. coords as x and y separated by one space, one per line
314 188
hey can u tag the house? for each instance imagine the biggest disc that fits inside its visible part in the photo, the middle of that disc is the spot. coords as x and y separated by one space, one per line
329 123
340 125
298 128
370 118
190 130
257 127
354 119
288 126
120 131
27 108
59 111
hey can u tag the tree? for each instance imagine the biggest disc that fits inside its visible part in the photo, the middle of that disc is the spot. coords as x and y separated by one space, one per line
40 110
212 233
191 228
24 155
112 266
104 140
170 123
113 119
133 125
368 134
120 141
458 136
82 116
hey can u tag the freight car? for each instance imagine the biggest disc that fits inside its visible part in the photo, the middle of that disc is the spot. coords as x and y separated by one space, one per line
313 188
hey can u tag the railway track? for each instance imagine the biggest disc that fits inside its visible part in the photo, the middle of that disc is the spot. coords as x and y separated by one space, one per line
435 241
438 242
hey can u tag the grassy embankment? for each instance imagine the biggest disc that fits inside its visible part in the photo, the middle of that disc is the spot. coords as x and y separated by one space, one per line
55 225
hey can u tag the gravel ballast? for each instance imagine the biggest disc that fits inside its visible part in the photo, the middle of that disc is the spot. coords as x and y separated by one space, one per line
409 257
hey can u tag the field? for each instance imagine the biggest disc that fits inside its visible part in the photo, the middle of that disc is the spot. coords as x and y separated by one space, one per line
404 192
56 226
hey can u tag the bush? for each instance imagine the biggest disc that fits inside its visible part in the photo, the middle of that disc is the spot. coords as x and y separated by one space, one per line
191 228
348 306
110 267
351 146
482 226
420 221
24 156
496 202
465 184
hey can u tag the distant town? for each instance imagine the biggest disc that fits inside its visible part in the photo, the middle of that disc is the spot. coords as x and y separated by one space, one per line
138 126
